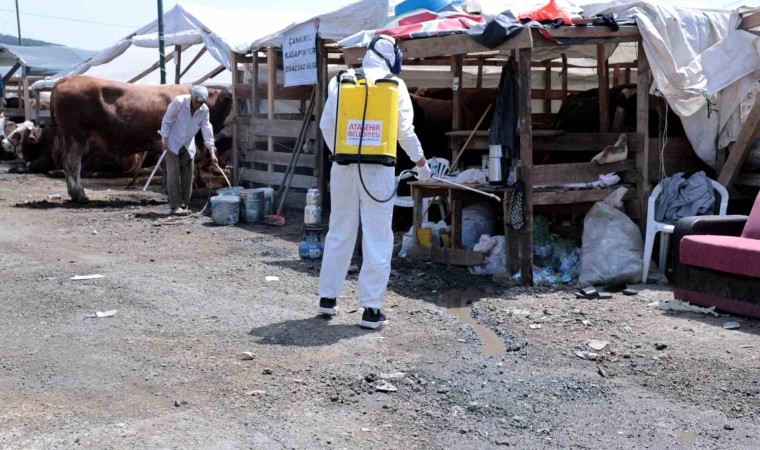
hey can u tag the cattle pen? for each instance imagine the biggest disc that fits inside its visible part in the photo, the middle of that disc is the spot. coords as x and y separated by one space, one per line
531 48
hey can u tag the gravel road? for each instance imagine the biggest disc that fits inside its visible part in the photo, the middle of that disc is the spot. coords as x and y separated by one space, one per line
167 370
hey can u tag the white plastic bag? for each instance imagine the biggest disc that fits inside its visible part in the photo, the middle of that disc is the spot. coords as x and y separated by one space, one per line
471 176
477 220
406 243
612 245
496 261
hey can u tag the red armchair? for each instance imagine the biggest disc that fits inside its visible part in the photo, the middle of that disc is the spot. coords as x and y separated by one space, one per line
718 262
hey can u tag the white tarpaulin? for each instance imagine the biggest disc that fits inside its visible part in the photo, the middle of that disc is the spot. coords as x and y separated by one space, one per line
337 24
220 30
701 63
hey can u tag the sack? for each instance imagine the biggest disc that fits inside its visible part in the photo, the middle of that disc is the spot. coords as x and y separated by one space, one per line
612 248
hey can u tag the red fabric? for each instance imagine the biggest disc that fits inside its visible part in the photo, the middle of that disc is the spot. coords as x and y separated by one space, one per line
752 228
736 255
550 12
426 24
724 304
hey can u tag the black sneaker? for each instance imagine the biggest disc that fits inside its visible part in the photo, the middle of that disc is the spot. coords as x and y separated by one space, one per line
328 306
373 319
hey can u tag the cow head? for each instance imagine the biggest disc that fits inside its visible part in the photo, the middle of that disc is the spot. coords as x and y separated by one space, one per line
220 106
26 132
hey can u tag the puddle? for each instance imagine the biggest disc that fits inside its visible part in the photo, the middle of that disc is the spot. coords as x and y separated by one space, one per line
458 304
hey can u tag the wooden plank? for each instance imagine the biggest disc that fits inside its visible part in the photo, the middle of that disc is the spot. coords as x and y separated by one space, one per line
642 128
526 163
451 45
271 83
177 64
449 256
281 128
616 75
628 75
740 150
625 33
570 142
275 179
577 196
193 61
219 69
280 158
604 88
553 174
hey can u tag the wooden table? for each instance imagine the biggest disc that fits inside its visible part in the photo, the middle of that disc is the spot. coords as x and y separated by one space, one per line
456 198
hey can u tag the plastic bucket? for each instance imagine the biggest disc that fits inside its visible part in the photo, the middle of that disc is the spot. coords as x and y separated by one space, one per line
252 206
225 209
230 191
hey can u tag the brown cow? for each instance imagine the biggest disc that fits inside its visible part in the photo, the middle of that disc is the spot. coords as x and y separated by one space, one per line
123 117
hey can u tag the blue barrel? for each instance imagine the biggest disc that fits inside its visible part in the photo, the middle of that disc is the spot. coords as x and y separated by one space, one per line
225 209
268 199
252 206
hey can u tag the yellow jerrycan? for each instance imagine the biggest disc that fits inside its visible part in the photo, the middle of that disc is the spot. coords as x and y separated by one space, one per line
375 105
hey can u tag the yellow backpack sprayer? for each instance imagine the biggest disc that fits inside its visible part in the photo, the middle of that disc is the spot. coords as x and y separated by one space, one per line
367 123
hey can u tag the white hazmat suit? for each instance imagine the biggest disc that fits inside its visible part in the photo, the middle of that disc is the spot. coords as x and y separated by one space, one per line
350 204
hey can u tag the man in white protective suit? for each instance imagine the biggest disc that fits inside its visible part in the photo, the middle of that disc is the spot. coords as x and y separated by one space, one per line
354 201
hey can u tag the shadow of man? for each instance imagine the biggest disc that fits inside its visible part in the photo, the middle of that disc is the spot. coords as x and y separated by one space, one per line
311 332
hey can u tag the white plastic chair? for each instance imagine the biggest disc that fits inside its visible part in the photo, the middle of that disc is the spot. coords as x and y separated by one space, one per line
654 227
439 167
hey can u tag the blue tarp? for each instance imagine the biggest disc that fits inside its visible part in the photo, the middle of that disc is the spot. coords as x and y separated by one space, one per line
42 60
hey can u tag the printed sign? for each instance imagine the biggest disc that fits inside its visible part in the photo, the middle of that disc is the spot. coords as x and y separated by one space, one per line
299 53
373 133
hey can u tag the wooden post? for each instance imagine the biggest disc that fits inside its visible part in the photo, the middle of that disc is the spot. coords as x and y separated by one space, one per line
177 64
255 100
564 78
417 211
235 114
456 71
627 75
271 83
526 163
740 150
479 83
321 149
616 75
604 88
642 128
27 103
547 91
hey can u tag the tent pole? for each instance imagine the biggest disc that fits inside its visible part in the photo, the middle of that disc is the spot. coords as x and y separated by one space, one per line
161 51
18 23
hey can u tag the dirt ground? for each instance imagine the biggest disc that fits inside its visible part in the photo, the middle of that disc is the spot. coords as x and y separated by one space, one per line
166 370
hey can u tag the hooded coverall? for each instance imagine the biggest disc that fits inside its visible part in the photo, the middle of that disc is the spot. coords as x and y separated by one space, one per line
350 203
